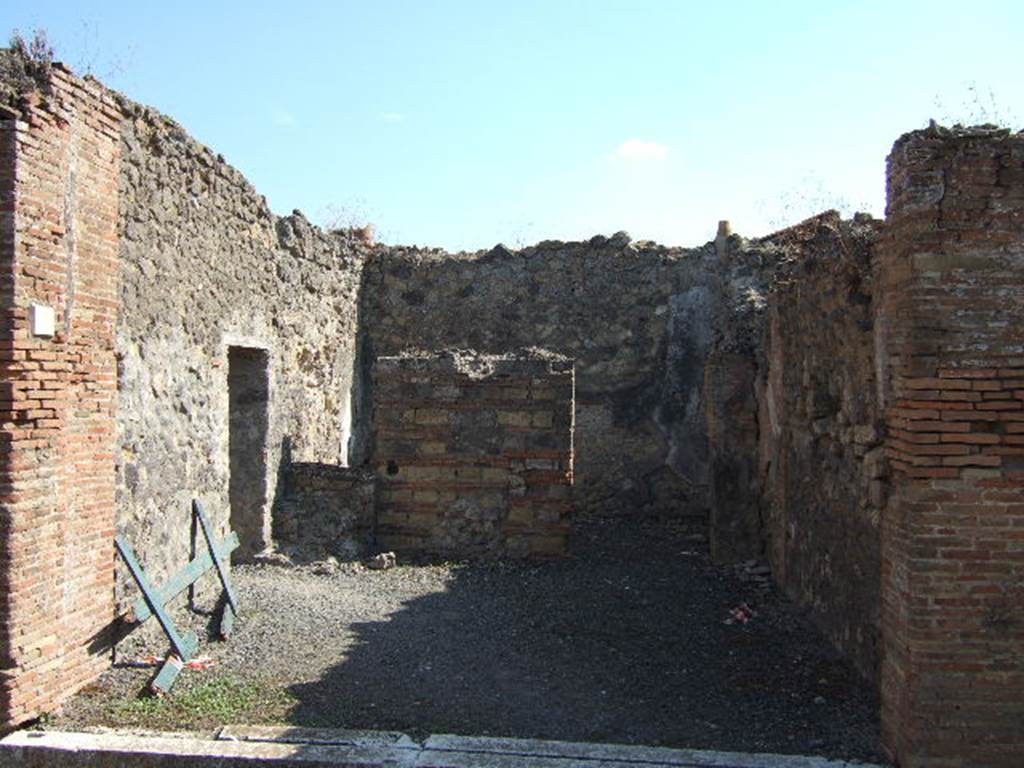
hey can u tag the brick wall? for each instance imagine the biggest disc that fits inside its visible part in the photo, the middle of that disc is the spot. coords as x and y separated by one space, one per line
59 248
473 453
951 350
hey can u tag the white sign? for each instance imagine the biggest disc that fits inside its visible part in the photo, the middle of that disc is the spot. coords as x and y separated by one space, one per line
41 320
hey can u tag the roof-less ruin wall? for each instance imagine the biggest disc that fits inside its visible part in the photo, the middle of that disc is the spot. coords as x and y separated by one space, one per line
820 455
797 465
636 317
207 267
324 510
951 338
59 262
743 377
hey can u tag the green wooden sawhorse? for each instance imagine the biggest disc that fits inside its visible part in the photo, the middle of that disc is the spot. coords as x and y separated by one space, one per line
153 601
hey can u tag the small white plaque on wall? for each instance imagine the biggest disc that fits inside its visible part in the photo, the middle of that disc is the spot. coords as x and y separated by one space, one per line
41 320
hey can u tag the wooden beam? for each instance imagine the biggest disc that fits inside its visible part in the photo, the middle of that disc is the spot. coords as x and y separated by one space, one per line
211 544
186 576
181 647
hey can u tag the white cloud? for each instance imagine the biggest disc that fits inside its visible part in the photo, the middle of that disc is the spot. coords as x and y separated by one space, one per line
392 117
284 119
638 149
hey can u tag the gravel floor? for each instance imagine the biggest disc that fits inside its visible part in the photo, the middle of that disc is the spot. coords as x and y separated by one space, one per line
625 642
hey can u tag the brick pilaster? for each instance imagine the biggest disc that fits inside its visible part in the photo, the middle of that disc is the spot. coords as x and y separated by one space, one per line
59 250
951 349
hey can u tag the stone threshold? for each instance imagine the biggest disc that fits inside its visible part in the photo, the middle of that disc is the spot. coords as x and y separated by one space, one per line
238 745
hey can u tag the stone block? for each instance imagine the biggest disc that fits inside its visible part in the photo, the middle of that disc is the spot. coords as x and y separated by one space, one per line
514 418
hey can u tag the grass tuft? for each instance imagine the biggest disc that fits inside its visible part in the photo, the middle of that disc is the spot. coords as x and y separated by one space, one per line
222 700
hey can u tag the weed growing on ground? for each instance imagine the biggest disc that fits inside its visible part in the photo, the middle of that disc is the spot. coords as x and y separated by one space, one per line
222 700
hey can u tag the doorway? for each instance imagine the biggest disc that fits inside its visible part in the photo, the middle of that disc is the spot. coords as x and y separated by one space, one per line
248 422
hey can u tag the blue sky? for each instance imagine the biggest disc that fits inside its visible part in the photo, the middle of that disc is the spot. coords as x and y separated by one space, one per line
465 124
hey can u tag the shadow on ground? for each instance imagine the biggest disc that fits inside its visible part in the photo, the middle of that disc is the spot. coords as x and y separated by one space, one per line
625 642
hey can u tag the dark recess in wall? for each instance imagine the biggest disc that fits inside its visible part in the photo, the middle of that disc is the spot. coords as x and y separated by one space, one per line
248 394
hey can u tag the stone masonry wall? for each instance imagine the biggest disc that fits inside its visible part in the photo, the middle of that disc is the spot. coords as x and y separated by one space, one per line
951 341
324 510
636 317
822 462
734 364
59 166
207 266
474 453
797 465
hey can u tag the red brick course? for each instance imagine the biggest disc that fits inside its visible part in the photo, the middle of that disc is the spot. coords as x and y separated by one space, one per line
59 248
471 463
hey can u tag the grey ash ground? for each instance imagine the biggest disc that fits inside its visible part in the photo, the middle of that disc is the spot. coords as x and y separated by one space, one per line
624 642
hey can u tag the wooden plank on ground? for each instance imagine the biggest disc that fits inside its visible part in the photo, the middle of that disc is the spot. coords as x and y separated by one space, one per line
171 668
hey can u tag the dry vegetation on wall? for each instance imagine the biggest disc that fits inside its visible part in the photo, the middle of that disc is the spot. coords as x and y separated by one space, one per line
24 67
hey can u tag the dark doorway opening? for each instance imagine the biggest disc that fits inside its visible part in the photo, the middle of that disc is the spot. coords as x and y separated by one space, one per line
248 398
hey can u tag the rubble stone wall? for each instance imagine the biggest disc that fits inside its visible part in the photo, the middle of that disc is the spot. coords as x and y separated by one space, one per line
324 510
59 158
636 317
734 367
822 462
748 378
207 267
951 336
797 465
474 453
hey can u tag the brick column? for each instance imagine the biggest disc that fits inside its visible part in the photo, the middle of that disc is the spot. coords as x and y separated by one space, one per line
59 251
950 328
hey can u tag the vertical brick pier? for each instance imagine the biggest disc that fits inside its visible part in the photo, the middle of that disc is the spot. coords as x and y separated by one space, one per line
474 453
951 350
59 252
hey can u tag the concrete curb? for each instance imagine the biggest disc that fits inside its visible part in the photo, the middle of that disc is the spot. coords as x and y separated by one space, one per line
310 747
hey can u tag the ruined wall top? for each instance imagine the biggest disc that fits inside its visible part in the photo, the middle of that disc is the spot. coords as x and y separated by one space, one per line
476 365
941 170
